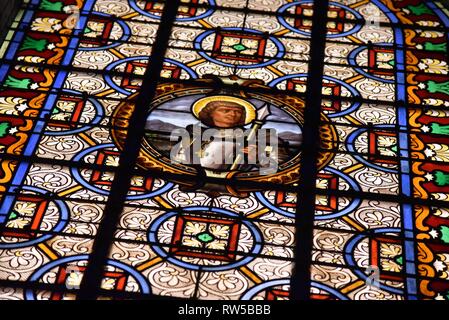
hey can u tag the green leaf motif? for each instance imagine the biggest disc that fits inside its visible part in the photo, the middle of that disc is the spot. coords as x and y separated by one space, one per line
51 6
441 178
444 234
434 87
205 237
435 46
239 47
17 83
12 216
437 128
4 128
420 9
34 44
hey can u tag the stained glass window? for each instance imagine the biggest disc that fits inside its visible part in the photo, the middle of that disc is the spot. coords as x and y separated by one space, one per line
225 149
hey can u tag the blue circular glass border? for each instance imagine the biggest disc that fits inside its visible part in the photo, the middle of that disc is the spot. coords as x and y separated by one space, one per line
285 24
77 176
141 280
348 209
349 256
98 116
205 14
62 223
119 89
115 43
353 63
152 238
350 141
199 39
350 88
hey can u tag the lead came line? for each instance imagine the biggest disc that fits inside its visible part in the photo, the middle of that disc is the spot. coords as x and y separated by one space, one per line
91 282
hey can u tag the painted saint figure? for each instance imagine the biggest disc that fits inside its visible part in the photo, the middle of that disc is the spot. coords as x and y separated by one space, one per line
221 143
223 114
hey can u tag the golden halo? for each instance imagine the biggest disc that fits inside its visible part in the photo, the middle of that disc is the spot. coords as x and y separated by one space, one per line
250 109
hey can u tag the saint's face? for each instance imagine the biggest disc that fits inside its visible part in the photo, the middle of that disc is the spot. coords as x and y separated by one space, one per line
226 116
